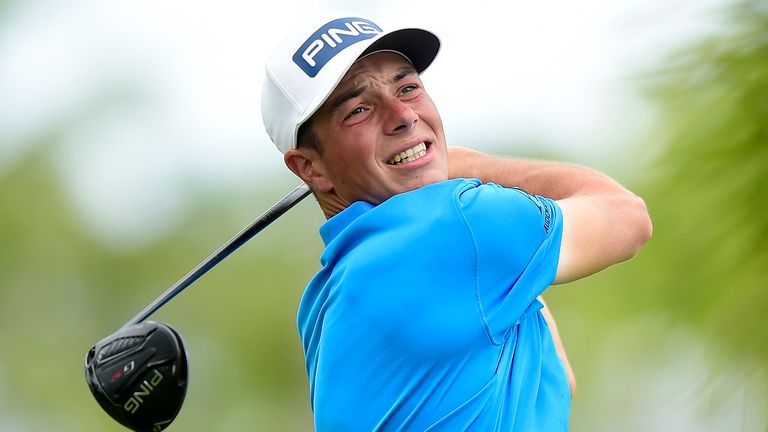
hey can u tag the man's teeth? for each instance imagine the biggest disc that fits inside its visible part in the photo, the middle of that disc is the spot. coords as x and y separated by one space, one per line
409 155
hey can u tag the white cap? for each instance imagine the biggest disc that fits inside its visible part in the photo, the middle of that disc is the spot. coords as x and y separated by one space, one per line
305 67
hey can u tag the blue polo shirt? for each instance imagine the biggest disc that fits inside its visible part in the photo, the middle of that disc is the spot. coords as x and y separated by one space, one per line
424 315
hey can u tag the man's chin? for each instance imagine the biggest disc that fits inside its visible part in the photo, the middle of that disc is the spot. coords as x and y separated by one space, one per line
433 176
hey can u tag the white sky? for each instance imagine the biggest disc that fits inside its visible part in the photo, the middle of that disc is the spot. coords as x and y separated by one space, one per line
551 73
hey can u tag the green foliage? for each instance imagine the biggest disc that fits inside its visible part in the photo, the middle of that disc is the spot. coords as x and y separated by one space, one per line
62 290
696 293
708 195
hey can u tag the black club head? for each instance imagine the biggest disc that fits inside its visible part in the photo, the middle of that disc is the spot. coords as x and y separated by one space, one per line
139 375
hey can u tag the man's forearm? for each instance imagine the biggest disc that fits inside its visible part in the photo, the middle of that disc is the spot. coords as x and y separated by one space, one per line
556 180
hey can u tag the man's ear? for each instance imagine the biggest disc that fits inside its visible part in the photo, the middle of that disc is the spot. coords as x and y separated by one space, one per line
309 167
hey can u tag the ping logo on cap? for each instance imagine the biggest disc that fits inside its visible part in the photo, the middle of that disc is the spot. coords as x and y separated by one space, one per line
331 39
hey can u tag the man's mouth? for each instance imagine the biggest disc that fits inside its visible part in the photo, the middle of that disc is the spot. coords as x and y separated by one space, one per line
409 155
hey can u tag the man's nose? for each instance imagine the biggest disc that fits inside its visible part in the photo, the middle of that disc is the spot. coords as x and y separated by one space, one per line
402 117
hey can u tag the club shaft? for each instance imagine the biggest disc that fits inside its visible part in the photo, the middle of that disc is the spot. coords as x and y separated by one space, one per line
269 216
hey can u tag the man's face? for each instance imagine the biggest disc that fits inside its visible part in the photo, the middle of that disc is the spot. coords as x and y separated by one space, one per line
380 132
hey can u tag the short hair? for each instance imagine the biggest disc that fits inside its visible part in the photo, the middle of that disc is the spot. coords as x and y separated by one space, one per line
306 138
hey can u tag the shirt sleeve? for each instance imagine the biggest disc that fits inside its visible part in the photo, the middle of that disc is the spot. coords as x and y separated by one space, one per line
517 238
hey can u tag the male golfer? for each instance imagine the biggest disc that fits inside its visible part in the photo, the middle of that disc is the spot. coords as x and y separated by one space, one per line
425 314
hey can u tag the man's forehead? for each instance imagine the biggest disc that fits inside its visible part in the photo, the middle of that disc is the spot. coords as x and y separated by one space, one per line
385 66
384 61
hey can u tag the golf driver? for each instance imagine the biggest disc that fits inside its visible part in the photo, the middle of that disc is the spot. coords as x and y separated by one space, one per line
139 373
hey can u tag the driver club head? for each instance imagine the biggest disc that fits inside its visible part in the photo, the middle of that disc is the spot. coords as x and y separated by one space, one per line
139 375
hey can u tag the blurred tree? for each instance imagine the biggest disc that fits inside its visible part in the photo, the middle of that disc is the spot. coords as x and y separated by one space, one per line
710 189
706 268
62 289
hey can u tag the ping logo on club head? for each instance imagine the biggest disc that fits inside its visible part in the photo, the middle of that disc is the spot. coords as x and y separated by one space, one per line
145 389
331 39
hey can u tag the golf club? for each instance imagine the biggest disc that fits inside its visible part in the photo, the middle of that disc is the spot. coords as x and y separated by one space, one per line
139 374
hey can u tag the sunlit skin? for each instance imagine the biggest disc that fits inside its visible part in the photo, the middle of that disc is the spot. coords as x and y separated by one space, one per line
379 109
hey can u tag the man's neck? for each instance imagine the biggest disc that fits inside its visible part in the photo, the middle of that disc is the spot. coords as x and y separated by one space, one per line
330 203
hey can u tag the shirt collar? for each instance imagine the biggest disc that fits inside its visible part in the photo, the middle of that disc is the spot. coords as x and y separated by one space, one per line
336 224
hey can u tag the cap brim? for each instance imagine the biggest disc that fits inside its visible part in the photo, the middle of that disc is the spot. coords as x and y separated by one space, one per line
419 46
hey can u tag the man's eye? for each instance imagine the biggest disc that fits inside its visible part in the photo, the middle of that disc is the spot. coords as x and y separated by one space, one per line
408 89
356 111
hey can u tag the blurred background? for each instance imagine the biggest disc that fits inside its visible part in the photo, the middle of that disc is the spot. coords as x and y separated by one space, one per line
131 147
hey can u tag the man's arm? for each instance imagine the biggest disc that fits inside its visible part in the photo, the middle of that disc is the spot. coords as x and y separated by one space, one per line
603 223
559 346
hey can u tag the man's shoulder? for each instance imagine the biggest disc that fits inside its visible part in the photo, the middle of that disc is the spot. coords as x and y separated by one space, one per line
471 194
